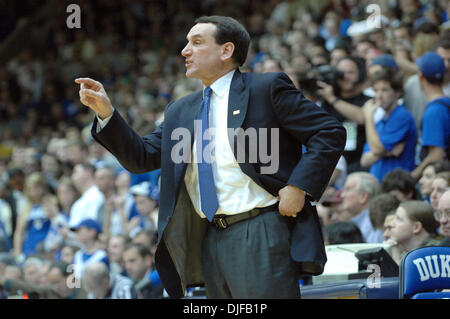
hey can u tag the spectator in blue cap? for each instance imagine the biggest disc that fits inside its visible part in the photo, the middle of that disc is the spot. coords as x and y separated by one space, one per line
435 128
87 232
384 60
377 64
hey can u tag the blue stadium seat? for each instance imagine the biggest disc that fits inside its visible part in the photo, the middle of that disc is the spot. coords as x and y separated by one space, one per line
424 272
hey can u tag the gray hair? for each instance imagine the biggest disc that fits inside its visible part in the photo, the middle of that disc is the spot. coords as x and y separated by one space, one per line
97 272
367 183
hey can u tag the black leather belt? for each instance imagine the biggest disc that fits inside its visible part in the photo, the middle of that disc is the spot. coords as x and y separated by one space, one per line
225 221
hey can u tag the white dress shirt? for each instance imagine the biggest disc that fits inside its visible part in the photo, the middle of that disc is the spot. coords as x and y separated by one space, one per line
236 191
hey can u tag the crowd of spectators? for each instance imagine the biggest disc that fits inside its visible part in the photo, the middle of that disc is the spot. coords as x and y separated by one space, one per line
69 213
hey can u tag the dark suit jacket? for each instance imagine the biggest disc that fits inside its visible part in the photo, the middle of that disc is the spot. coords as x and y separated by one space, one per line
265 101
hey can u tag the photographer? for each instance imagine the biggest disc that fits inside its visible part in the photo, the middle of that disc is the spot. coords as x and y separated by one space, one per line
344 99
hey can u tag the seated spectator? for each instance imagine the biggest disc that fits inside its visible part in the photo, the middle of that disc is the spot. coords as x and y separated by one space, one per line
139 265
333 202
76 151
118 207
399 183
33 222
342 233
387 227
145 195
428 175
92 199
57 288
67 195
443 216
59 223
413 227
51 168
359 189
32 268
115 249
391 141
87 232
13 272
101 285
148 238
381 206
67 253
105 180
435 128
440 184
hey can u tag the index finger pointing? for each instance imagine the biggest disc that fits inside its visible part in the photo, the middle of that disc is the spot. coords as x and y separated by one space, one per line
87 81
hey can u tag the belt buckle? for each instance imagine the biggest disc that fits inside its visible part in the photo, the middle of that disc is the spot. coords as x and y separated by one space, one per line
221 222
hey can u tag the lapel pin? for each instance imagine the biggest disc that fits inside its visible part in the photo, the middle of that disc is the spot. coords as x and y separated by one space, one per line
236 112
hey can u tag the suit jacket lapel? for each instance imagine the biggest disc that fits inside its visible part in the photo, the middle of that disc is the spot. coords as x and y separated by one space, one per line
237 111
187 118
237 101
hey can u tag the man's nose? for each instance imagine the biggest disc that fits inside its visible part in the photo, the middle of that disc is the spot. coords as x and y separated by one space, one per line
186 50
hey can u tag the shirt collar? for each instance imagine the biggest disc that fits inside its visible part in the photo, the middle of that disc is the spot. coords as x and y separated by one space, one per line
222 84
359 219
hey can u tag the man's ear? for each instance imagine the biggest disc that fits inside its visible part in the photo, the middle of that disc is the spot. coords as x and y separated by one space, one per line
227 51
417 227
363 198
148 261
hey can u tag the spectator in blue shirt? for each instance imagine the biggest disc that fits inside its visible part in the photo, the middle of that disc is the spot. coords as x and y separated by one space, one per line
33 222
436 118
391 141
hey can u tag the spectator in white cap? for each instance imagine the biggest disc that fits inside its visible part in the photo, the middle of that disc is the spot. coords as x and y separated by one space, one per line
435 128
146 197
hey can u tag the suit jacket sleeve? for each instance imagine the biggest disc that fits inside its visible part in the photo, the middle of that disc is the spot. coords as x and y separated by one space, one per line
323 136
137 154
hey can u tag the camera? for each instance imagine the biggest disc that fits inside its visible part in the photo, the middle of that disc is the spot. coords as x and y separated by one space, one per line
324 73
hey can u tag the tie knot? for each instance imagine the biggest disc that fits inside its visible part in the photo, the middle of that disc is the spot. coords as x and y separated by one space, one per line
208 91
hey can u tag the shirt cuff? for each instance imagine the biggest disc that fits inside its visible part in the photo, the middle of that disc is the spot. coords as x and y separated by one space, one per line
102 123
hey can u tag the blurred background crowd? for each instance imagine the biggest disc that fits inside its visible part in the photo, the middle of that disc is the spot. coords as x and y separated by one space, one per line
75 224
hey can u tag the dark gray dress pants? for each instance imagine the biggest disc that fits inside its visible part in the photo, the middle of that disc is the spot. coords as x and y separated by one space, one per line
250 259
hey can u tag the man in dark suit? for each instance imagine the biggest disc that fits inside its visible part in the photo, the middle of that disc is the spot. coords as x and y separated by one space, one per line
261 231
